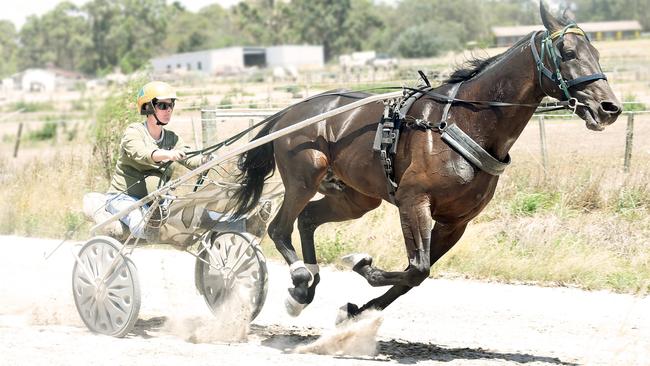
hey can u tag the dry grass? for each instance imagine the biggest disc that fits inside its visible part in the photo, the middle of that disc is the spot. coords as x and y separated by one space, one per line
42 196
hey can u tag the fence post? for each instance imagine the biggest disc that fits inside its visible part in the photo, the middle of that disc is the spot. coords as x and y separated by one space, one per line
542 141
195 134
18 134
208 127
251 133
629 136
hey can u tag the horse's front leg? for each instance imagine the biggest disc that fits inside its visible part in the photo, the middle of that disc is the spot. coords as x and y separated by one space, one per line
415 217
443 238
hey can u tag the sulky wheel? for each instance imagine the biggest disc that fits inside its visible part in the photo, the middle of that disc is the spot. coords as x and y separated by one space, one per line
105 287
236 275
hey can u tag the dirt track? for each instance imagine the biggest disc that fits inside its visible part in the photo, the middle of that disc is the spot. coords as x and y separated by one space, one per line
450 322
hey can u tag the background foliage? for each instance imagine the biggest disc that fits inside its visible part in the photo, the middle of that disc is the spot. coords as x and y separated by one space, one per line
101 35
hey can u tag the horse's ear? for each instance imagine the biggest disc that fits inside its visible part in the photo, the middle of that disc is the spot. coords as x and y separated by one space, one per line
568 16
550 22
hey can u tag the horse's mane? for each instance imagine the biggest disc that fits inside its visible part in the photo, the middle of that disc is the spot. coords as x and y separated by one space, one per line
475 65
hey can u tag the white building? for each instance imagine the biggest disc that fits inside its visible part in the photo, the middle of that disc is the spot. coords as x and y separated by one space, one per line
43 80
37 80
236 59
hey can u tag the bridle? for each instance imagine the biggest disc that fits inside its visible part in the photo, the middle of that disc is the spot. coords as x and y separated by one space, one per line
549 45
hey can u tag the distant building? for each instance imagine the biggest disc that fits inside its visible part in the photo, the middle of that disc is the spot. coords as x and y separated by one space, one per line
236 59
43 80
598 31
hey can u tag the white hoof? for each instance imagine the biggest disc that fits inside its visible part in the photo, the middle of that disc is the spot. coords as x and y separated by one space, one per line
294 308
352 260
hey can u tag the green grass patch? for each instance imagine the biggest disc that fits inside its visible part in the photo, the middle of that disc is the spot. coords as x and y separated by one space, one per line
28 107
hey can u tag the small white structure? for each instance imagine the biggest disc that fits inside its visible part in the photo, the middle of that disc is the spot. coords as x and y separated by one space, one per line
37 80
43 80
8 84
235 59
301 57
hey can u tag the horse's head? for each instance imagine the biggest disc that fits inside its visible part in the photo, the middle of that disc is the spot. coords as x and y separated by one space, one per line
569 70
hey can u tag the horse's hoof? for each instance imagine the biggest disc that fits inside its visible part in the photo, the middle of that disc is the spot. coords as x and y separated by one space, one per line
294 308
353 261
346 312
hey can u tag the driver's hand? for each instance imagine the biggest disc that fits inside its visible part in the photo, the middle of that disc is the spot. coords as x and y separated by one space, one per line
175 155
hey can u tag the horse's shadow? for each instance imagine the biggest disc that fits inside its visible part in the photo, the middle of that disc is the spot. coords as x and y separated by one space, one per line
401 351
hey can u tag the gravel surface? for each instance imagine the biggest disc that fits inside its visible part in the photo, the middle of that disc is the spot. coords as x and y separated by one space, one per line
442 322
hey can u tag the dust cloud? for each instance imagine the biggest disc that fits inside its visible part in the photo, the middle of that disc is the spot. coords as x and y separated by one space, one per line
230 322
355 337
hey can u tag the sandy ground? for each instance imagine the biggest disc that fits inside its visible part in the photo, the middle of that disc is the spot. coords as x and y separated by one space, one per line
450 322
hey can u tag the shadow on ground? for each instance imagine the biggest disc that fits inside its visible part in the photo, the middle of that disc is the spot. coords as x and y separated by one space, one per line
401 351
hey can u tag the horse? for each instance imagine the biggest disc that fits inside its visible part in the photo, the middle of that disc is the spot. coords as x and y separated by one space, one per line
439 189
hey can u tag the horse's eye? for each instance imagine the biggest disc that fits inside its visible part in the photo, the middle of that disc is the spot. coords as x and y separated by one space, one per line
568 55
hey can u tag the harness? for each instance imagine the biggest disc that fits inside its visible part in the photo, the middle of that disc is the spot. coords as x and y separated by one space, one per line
549 45
396 111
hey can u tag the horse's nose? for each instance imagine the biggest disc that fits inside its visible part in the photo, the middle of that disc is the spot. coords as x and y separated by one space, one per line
611 108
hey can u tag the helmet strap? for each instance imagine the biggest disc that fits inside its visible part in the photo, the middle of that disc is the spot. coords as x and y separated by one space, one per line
153 109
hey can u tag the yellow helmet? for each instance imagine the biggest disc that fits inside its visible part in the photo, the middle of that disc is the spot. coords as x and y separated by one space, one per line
153 90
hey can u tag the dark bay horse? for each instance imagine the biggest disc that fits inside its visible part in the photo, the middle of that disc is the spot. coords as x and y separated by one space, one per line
439 191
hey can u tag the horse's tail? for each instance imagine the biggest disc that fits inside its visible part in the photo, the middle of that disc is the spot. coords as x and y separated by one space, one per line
256 166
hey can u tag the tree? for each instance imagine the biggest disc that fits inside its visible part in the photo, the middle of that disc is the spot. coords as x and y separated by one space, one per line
266 21
126 33
428 39
59 37
211 27
8 48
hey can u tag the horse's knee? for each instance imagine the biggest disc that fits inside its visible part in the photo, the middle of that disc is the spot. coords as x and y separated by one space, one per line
417 275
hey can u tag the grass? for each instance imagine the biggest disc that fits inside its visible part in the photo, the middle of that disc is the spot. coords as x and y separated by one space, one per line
43 197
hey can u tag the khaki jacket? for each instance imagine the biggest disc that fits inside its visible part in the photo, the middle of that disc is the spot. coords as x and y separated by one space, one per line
135 168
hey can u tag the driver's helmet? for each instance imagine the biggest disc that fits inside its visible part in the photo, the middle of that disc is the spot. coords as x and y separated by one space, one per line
151 92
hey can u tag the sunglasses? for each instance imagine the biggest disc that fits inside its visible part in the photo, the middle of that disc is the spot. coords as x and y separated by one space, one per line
163 106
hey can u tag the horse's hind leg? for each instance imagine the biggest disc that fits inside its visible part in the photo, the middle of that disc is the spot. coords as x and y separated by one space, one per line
301 183
343 205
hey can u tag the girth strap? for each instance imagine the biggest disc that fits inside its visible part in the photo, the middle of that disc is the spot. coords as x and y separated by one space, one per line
470 150
464 145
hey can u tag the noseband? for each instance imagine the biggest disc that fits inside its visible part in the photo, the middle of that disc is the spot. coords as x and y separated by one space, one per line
549 45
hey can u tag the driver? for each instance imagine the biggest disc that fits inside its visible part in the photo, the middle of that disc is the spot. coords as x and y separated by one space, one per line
144 148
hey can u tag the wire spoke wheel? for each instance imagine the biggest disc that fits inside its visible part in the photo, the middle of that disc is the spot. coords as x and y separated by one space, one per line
105 288
236 274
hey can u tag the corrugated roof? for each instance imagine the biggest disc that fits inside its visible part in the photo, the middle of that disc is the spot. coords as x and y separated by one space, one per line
621 25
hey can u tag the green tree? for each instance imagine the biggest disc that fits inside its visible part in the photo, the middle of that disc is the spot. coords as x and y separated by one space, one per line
126 33
8 48
112 118
211 27
266 21
602 10
59 37
428 39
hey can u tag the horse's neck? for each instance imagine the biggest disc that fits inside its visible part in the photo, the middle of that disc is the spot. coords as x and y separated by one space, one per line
513 79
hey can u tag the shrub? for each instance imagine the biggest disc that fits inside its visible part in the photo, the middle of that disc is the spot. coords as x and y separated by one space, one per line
528 204
118 111
46 132
632 104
